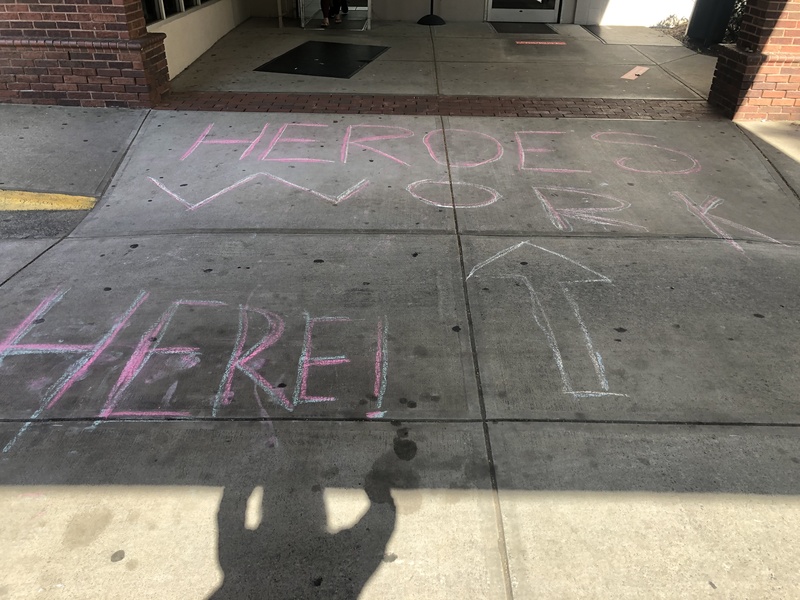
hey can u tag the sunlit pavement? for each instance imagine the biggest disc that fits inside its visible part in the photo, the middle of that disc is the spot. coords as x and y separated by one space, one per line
340 356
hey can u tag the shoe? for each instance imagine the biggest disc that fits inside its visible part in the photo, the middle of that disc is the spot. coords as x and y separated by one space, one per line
345 11
325 23
338 19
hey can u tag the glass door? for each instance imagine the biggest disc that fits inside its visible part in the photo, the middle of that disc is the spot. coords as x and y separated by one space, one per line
309 9
524 11
359 15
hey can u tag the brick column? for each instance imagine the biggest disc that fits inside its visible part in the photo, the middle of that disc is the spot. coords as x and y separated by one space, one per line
759 77
80 53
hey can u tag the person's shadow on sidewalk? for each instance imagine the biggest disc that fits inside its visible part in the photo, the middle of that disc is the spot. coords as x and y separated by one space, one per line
291 555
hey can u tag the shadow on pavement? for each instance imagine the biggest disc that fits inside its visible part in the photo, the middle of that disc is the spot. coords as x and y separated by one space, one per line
272 559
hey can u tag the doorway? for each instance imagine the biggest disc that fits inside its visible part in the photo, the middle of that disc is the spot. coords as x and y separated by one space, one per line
359 16
524 11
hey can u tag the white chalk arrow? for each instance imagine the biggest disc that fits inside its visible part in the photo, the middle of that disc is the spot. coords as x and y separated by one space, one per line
539 279
335 200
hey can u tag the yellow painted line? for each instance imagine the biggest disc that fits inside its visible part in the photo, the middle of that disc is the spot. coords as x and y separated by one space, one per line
14 200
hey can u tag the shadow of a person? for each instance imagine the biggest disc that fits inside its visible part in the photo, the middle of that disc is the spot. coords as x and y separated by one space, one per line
291 555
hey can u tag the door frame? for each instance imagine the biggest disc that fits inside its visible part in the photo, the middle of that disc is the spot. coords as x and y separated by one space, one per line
514 15
305 20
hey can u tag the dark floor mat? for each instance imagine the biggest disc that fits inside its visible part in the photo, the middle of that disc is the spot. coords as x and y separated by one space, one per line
522 28
324 59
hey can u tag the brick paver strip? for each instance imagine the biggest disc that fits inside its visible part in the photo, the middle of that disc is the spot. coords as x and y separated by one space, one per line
472 106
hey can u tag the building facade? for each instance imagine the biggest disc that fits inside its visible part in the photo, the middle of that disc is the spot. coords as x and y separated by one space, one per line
124 52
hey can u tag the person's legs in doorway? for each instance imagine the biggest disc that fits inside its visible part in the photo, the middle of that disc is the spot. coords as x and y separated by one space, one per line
326 11
335 8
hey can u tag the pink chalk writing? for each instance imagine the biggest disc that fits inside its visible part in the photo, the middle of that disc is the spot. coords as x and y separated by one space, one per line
251 144
10 345
561 217
307 360
497 147
444 146
80 367
240 360
359 143
149 345
258 331
279 139
86 361
523 151
623 162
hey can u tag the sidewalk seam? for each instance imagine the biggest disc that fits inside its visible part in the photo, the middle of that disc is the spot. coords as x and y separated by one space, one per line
114 167
771 167
501 535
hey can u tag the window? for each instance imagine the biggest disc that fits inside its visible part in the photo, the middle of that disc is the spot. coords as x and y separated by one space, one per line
156 10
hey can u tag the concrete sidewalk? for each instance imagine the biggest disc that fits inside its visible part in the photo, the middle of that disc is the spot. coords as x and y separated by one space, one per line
340 356
462 58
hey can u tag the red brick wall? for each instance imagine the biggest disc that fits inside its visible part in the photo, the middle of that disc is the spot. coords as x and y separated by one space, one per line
771 25
80 53
759 78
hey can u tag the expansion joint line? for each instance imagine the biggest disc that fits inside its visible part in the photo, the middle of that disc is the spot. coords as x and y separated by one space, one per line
501 536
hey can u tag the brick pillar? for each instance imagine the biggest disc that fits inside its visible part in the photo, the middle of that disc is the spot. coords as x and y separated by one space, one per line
759 77
80 53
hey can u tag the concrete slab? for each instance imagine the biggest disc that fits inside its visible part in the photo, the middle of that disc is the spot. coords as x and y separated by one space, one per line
403 77
665 54
202 171
575 31
507 50
242 51
630 178
400 29
557 80
400 49
237 510
464 30
66 150
635 330
639 36
230 63
352 22
664 512
695 71
18 253
238 326
780 143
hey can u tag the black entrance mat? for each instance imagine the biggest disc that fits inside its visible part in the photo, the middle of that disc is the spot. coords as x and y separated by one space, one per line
521 28
324 59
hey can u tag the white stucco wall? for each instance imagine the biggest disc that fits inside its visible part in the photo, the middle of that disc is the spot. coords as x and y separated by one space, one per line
269 8
630 12
191 33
